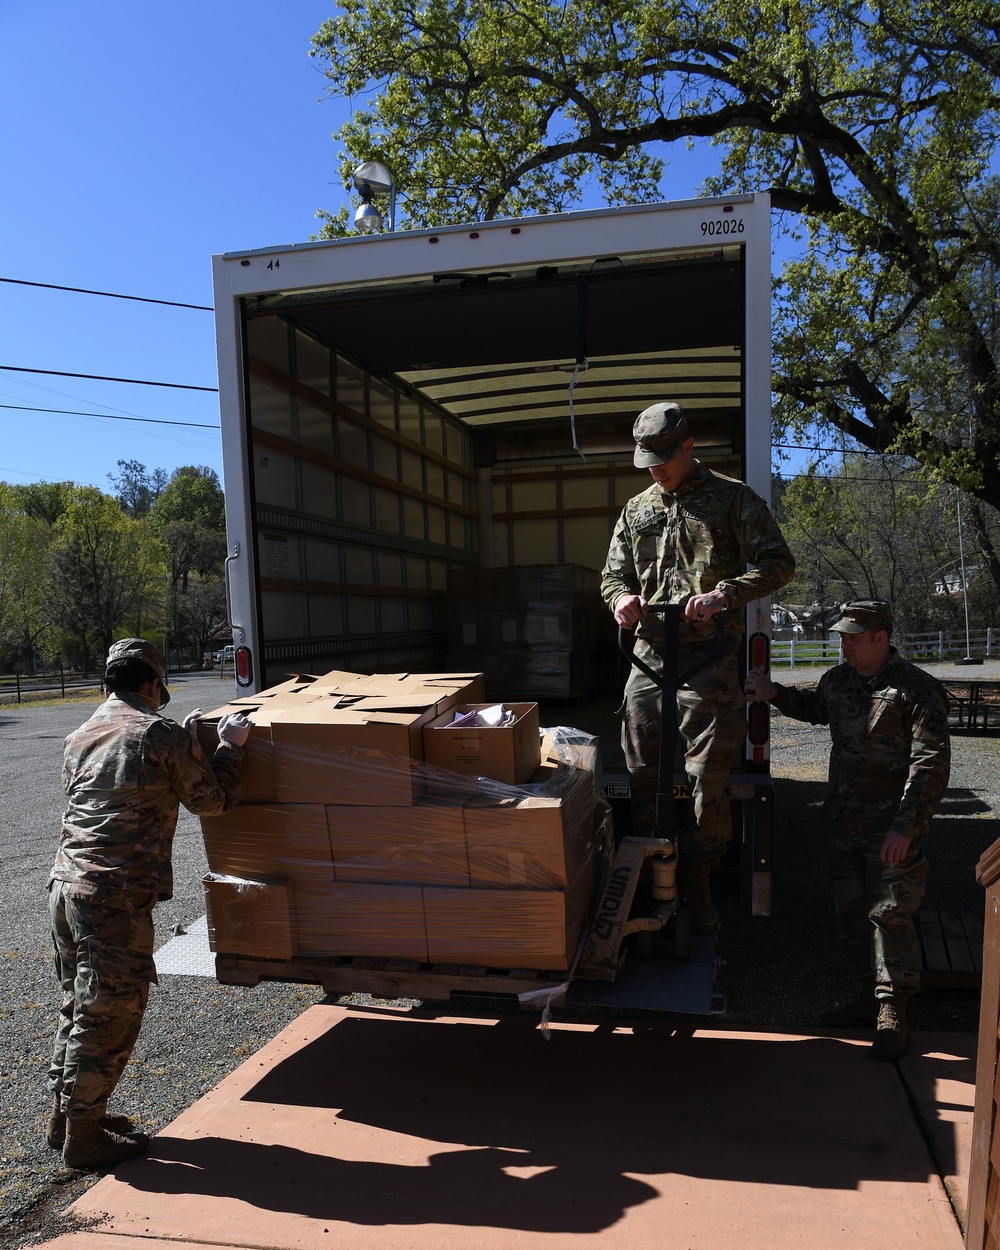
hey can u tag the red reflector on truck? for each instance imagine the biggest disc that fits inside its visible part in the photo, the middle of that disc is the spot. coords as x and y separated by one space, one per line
244 666
760 651
758 714
759 724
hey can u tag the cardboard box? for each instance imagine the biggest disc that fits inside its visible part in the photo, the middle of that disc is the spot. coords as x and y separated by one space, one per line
346 919
257 774
257 779
507 753
288 841
396 685
249 918
343 738
530 843
325 753
537 929
421 845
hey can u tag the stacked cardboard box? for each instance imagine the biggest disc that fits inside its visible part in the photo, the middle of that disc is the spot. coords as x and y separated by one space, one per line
352 845
532 629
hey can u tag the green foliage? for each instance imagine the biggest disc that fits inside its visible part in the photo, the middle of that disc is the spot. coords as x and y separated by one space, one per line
24 542
108 570
45 501
873 529
136 489
79 567
190 518
194 495
873 129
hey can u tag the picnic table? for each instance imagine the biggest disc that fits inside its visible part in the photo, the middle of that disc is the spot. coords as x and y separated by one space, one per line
975 705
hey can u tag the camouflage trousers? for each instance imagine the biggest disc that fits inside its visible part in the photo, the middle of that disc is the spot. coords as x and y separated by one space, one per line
875 904
104 962
711 721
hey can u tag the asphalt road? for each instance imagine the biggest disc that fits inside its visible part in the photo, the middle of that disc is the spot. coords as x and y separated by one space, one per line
778 972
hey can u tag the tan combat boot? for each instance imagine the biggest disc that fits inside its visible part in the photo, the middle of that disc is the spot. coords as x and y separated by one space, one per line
892 1034
861 1009
698 893
91 1148
55 1129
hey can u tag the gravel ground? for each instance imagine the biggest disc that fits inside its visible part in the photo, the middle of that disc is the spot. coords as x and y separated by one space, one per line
779 971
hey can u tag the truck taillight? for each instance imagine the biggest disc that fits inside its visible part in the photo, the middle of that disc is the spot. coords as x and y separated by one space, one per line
760 651
244 666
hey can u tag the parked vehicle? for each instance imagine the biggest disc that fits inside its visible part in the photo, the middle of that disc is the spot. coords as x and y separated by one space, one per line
398 406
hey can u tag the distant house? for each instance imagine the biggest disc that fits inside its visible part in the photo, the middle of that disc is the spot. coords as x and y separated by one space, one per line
810 619
949 581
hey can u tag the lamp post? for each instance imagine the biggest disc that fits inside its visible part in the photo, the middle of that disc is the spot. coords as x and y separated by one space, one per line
969 658
373 178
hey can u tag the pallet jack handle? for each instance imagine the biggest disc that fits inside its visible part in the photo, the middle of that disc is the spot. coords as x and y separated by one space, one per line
670 681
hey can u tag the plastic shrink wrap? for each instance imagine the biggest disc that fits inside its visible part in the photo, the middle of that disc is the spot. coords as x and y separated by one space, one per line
346 843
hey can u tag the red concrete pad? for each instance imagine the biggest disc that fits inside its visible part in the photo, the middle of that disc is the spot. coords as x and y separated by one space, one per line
87 1240
939 1070
378 1129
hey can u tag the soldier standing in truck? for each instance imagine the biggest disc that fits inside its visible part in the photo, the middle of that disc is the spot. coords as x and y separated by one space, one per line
688 539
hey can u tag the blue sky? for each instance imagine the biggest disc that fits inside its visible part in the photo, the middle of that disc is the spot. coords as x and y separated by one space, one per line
139 141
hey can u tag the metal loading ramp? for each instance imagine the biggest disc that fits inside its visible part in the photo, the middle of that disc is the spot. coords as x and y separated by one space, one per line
671 986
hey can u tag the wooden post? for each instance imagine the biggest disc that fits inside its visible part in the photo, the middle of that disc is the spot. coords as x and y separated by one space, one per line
983 1222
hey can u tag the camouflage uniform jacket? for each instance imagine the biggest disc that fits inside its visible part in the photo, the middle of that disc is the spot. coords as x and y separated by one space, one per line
891 757
670 545
126 771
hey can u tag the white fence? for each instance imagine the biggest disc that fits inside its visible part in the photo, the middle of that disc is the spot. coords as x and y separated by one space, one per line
790 652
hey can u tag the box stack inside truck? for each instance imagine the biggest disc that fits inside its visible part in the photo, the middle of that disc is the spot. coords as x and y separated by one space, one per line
528 627
348 843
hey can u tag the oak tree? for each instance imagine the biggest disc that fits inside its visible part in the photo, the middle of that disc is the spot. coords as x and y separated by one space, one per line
874 128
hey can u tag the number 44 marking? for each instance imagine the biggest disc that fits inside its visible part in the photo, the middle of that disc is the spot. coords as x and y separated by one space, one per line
274 264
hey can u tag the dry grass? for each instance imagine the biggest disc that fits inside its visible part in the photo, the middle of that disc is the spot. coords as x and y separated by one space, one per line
48 699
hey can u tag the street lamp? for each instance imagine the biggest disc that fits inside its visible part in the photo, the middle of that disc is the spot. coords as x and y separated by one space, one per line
373 178
969 657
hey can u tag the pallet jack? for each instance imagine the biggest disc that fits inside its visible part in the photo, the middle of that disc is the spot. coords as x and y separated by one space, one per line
604 950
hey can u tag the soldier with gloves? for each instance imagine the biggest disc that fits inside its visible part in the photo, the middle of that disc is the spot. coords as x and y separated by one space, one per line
126 772
688 540
889 766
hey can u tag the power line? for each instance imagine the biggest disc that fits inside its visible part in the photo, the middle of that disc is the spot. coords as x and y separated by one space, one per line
849 481
110 416
80 290
840 451
99 377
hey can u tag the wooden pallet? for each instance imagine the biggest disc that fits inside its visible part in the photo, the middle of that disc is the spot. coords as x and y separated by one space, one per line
952 944
384 978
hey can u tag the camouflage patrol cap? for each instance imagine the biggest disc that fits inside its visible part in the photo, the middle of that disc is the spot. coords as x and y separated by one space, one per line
862 614
659 431
141 649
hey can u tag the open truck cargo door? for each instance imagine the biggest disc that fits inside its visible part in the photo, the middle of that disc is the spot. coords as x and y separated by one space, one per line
402 409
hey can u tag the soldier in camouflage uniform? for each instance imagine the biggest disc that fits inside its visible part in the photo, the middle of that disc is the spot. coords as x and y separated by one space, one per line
688 540
889 766
126 770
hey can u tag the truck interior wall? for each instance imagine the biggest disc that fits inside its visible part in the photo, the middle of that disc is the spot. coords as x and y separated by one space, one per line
363 500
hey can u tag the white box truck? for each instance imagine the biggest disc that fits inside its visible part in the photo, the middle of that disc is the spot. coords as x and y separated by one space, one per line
398 406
